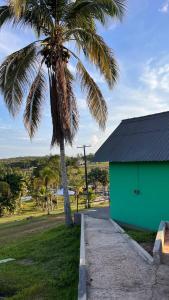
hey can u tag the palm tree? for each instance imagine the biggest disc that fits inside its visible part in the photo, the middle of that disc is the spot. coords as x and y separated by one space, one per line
49 177
57 25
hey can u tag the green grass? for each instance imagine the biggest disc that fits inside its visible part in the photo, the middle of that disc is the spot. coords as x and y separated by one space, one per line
51 248
141 236
53 269
29 209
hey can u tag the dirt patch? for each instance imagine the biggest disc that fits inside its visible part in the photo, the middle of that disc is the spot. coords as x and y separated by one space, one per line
7 235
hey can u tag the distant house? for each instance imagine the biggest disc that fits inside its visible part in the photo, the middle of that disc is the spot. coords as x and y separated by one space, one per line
59 192
138 156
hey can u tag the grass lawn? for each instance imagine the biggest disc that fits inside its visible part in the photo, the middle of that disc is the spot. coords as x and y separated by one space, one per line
144 238
46 253
46 265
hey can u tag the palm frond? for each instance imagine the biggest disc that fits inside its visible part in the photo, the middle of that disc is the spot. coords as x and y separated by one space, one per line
5 15
112 8
97 9
17 6
15 75
85 22
49 176
32 114
72 105
96 50
38 15
34 13
57 8
96 102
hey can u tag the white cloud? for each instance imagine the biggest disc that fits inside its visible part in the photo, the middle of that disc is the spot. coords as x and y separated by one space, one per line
165 7
156 76
94 140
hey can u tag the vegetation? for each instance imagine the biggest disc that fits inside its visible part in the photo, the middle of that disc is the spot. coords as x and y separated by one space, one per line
98 175
143 237
56 23
6 201
12 187
39 184
46 265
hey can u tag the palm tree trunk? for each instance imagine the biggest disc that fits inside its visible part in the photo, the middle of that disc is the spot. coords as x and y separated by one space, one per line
67 209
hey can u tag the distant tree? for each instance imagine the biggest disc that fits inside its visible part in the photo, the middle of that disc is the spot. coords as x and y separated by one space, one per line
49 178
43 197
75 177
90 157
96 176
17 185
93 177
72 162
7 202
4 189
53 163
14 180
36 185
103 178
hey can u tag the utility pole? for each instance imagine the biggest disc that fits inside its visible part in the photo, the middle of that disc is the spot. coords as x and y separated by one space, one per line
86 179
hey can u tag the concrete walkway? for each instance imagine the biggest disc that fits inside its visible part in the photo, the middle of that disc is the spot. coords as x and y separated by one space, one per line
115 270
98 213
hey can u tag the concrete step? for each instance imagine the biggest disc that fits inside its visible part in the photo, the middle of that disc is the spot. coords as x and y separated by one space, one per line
166 242
165 250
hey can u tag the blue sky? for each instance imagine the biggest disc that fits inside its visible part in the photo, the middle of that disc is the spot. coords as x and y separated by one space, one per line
141 46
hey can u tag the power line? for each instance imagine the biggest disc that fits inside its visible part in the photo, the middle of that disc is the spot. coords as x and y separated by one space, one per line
86 179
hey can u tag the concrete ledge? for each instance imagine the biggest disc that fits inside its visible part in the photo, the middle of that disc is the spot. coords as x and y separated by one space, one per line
159 242
82 287
117 227
143 253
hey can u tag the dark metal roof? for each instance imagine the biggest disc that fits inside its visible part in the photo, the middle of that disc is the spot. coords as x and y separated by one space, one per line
138 139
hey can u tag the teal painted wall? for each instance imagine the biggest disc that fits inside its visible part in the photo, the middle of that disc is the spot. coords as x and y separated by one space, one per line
146 209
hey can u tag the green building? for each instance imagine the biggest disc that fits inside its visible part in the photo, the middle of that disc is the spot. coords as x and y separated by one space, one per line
138 156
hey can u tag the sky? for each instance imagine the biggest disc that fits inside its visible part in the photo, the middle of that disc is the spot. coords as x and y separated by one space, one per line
141 46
